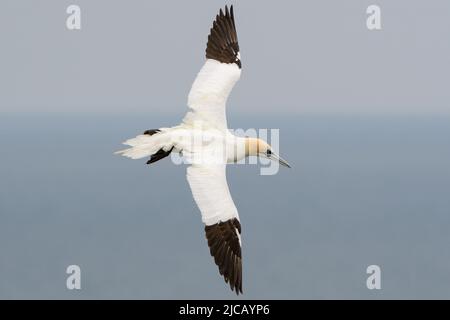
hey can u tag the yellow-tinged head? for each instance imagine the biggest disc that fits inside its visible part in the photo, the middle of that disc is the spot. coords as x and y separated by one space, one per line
260 148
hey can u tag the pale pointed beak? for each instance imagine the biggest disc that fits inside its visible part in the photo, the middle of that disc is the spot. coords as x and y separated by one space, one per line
283 162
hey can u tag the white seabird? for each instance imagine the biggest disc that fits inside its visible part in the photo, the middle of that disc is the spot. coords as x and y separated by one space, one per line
205 142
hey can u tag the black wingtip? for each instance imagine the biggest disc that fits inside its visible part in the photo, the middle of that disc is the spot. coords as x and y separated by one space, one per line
225 248
222 41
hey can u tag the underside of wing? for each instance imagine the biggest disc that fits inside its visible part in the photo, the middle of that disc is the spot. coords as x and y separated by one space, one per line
224 245
222 227
216 79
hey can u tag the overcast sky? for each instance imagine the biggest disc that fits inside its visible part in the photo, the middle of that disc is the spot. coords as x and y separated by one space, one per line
298 56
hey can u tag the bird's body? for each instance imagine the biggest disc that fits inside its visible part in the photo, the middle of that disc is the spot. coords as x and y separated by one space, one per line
197 145
207 145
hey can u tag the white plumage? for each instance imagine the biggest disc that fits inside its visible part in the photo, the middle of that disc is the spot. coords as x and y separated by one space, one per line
205 142
210 190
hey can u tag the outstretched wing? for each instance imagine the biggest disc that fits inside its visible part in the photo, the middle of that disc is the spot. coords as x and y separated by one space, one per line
222 41
219 214
216 79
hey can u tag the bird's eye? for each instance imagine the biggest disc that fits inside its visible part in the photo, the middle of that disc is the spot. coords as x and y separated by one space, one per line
269 152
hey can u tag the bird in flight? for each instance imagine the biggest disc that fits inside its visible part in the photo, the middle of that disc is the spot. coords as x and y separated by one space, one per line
206 144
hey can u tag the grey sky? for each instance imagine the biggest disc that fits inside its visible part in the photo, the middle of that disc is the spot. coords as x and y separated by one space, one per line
298 56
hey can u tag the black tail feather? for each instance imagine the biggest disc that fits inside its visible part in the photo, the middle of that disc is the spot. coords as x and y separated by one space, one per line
151 131
161 154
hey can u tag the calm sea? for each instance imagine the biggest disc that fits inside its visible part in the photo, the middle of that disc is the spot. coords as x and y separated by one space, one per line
363 190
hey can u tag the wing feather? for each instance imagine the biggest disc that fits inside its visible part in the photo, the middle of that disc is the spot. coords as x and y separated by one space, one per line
222 69
222 227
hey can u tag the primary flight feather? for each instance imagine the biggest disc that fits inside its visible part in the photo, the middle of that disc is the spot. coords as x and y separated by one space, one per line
204 141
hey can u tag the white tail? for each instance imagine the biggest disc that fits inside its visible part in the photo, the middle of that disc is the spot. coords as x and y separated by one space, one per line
145 145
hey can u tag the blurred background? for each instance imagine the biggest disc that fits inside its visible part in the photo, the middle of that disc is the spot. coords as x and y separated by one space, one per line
364 119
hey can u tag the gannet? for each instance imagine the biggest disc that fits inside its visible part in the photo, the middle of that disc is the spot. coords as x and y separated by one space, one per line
205 142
